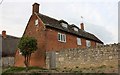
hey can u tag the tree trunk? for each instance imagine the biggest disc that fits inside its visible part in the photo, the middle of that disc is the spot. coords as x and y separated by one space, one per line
26 62
29 56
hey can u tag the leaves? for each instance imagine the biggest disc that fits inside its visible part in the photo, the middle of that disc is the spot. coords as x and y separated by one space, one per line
27 45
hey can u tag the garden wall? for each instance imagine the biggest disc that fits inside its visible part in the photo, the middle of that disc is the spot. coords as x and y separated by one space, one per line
105 55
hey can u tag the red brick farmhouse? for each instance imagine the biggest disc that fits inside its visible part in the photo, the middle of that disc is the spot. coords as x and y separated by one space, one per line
53 35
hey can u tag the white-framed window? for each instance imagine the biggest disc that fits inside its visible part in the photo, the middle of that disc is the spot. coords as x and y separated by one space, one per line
64 25
61 37
88 43
36 22
75 29
79 41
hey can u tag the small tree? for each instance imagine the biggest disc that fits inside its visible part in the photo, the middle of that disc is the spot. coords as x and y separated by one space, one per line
27 46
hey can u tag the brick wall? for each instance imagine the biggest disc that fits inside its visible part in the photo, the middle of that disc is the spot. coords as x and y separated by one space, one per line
88 57
52 43
38 32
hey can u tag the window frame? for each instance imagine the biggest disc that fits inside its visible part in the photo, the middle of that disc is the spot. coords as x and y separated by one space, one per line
61 37
36 22
75 29
88 43
79 42
64 25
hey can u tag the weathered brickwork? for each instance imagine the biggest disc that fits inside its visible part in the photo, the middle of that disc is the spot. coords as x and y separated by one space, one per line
38 32
106 55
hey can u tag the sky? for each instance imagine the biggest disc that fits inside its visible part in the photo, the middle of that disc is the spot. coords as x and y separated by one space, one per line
100 17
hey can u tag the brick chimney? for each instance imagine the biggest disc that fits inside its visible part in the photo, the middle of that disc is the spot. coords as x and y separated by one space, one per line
4 34
35 8
82 26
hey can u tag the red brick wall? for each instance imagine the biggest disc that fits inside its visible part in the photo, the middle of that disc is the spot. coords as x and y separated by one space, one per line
37 58
71 41
54 44
93 43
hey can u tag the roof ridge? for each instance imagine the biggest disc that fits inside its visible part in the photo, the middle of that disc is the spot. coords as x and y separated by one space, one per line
48 16
12 36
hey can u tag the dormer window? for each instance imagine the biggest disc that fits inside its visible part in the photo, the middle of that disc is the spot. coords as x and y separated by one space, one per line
64 25
36 22
75 29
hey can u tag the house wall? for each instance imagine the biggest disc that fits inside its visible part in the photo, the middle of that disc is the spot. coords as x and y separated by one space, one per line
52 43
38 32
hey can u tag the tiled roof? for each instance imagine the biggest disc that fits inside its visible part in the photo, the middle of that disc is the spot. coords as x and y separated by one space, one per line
53 23
9 45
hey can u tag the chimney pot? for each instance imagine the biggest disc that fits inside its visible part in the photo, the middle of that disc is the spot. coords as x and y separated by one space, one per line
4 34
82 26
35 8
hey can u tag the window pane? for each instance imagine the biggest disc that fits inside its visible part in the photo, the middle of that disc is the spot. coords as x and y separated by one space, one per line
64 25
64 37
88 43
36 22
59 36
75 29
78 41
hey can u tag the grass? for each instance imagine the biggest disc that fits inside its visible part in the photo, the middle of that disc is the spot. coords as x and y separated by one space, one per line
21 69
76 69
15 69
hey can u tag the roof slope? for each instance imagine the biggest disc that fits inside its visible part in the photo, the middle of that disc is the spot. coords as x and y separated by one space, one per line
51 22
9 45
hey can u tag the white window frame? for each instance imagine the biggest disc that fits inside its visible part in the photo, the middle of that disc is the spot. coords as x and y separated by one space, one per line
88 43
61 37
36 22
64 25
79 41
75 29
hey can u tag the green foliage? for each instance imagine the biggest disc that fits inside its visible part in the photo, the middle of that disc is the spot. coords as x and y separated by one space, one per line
27 45
12 70
19 69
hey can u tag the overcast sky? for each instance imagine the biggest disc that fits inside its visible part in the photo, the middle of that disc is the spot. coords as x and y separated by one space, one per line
99 16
